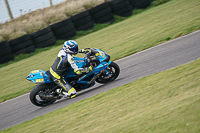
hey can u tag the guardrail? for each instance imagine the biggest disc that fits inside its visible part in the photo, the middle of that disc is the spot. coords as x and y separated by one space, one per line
66 29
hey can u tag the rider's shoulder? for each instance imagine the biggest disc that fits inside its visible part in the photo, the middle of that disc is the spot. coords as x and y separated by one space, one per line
62 53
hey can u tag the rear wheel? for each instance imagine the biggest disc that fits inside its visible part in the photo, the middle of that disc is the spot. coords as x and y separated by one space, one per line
37 95
114 71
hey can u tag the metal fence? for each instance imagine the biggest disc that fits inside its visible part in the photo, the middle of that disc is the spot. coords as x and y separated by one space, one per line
11 9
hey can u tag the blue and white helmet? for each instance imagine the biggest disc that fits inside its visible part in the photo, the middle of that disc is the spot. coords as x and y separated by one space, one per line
70 47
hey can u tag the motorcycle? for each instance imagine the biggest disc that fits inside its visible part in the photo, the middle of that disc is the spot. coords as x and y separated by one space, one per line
104 71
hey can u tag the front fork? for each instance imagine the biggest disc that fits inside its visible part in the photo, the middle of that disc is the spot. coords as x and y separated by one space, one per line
106 72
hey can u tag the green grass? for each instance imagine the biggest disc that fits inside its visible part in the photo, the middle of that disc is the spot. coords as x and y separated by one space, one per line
149 28
166 102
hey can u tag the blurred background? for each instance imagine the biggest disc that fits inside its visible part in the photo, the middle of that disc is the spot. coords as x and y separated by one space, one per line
11 9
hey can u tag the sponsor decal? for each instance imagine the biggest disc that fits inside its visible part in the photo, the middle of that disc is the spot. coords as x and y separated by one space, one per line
96 76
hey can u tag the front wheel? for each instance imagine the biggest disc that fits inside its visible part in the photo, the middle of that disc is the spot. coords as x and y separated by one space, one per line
36 95
114 71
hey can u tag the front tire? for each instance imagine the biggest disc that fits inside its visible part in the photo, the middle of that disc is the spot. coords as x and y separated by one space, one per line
114 71
35 97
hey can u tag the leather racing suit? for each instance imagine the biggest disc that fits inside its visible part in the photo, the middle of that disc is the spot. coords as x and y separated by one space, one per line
60 66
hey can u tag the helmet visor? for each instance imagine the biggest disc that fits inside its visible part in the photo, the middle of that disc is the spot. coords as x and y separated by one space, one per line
74 49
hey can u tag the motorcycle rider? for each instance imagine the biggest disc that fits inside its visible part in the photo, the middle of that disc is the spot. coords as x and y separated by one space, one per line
61 64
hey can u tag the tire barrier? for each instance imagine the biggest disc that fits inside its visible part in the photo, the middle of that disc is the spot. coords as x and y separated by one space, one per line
5 52
43 38
66 29
63 29
121 7
82 21
22 45
102 13
140 4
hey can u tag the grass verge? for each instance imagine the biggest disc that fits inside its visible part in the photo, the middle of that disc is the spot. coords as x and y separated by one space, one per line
164 102
139 32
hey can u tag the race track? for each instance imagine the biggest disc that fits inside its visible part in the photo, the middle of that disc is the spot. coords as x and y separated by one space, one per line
162 57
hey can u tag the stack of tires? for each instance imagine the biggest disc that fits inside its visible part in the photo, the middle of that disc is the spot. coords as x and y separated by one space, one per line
140 4
63 29
22 45
102 13
82 21
5 52
121 7
43 38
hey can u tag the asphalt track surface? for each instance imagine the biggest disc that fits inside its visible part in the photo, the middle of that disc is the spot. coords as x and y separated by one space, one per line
159 58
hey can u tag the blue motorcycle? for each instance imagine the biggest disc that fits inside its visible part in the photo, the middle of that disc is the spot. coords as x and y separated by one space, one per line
104 71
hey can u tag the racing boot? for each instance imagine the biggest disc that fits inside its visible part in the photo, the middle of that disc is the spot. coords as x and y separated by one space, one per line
71 93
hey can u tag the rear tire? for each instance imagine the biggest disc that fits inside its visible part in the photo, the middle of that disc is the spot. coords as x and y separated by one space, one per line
38 100
114 71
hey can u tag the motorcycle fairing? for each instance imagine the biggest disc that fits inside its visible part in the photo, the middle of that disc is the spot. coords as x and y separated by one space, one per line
39 76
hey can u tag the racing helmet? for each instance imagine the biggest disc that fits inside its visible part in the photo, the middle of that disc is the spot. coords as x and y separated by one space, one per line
70 47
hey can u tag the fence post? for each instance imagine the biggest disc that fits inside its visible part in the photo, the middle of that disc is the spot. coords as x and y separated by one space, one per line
9 11
51 2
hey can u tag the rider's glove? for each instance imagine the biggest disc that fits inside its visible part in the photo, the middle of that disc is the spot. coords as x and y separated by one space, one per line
78 72
91 68
84 70
82 50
